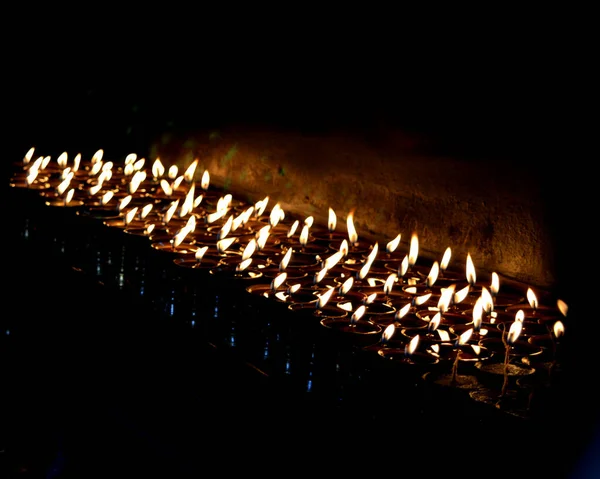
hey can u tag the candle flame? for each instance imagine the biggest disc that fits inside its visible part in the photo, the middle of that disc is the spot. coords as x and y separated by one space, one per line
359 313
514 332
172 172
261 205
226 228
332 220
487 300
277 214
158 168
334 259
124 202
464 337
403 268
205 181
304 235
562 307
243 264
138 165
413 252
278 281
364 271
433 274
478 314
471 274
520 316
461 294
352 234
324 298
146 210
262 236
347 306
166 187
532 298
446 297
389 283
106 197
286 259
62 159
420 300
402 311
309 220
97 157
369 299
320 275
435 322
495 285
249 249
200 252
188 175
411 347
346 285
130 215
393 244
559 329
344 248
293 228
224 244
28 155
446 259
388 332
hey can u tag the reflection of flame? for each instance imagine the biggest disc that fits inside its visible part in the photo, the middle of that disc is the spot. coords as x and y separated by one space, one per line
352 234
514 332
411 347
392 245
359 313
413 252
332 221
532 298
446 259
433 274
471 275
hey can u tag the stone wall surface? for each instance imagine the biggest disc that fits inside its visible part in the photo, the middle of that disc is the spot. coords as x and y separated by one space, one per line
490 209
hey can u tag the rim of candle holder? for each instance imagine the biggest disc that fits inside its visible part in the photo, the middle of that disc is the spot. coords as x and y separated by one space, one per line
520 348
471 352
361 332
439 336
205 263
170 248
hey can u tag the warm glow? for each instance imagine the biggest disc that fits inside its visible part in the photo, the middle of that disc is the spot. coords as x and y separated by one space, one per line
130 158
411 347
392 245
217 215
106 197
28 155
324 298
32 174
364 271
64 184
334 259
403 268
346 285
520 316
138 165
413 252
170 212
369 299
180 236
176 182
309 220
420 300
224 244
45 162
389 283
97 157
188 203
332 220
189 173
514 332
278 281
286 259
249 249
76 161
136 181
344 247
433 274
471 275
172 172
352 234
532 298
345 306
69 196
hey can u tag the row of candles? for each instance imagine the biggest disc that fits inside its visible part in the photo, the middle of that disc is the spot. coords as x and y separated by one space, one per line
379 300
